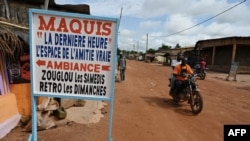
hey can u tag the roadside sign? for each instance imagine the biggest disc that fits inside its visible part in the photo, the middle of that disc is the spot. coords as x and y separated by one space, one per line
72 56
233 70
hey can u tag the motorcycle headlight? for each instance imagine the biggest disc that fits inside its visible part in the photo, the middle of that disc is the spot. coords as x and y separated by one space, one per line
193 79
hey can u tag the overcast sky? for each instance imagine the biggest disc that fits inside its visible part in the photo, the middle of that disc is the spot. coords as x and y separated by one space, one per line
163 20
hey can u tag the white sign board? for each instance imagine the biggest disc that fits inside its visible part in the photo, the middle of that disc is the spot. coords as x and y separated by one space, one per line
73 55
233 70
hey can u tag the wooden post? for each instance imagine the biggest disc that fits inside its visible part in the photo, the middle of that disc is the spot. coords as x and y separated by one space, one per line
234 50
213 56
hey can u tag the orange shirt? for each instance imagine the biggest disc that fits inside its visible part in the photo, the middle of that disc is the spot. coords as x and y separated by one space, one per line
179 68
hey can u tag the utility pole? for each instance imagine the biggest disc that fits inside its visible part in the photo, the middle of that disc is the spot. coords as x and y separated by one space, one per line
146 44
137 47
120 18
46 4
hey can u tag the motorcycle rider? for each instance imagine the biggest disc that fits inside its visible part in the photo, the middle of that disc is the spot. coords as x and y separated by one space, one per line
181 72
173 64
203 65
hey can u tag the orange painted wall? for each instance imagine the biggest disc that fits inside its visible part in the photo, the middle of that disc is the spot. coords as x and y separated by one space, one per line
23 97
8 106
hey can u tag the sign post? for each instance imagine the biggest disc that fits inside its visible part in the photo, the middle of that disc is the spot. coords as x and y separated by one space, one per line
233 70
72 56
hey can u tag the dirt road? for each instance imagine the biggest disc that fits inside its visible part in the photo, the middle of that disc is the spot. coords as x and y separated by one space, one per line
143 110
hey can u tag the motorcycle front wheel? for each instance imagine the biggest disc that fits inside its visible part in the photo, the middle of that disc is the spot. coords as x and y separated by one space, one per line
197 102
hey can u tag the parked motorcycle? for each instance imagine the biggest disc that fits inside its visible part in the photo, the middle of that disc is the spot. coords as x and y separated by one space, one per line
200 73
189 92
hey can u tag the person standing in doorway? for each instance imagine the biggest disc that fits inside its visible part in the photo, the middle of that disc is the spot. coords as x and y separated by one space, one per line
122 66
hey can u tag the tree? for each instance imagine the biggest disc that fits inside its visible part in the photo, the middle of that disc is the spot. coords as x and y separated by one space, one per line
164 47
118 51
177 46
151 51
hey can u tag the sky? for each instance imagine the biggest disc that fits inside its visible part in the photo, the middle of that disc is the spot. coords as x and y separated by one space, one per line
148 24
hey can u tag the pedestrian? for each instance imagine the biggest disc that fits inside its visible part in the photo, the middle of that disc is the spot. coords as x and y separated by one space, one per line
122 66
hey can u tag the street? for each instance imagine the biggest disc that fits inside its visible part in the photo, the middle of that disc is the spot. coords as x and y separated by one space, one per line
144 111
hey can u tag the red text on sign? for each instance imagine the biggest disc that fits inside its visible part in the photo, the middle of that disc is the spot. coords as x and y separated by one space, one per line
78 26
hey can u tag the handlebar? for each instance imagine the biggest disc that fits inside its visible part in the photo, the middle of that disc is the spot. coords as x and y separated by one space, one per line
187 75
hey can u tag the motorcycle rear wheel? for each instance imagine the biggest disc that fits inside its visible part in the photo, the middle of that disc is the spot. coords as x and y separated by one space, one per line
197 103
202 76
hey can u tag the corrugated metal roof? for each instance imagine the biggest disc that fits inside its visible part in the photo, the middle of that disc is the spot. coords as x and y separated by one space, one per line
77 8
222 41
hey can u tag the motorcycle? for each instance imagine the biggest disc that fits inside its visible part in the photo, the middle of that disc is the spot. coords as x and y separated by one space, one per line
200 73
189 92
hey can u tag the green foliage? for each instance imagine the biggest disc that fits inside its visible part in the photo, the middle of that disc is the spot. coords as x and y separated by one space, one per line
164 47
125 52
151 51
118 51
177 46
133 52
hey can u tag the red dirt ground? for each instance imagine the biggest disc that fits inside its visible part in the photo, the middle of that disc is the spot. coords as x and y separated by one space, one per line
143 110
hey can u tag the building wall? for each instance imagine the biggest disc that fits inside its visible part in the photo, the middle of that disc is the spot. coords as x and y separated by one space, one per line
9 116
160 59
226 50
243 55
23 96
223 55
207 52
8 106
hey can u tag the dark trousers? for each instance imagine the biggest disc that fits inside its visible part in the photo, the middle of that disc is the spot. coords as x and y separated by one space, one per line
179 85
122 74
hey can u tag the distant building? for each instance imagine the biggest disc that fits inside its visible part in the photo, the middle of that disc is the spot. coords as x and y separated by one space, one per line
171 54
221 52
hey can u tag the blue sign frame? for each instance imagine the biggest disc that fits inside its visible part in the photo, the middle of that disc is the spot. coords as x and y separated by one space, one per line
94 72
